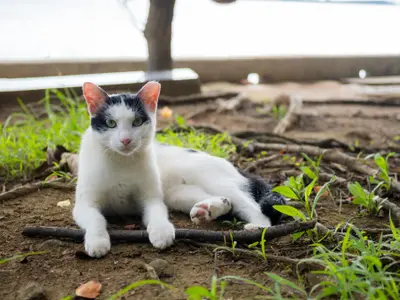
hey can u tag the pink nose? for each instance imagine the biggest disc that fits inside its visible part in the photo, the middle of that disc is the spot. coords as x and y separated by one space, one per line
126 141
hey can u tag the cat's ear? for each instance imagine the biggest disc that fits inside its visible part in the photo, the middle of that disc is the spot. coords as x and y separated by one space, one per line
149 94
94 96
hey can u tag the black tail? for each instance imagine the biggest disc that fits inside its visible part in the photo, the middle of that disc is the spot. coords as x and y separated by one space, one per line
263 195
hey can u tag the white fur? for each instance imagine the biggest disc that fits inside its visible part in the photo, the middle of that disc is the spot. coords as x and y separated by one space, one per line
190 179
117 179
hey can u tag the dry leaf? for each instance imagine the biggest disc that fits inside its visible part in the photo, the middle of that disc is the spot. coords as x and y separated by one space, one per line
89 290
166 112
64 203
324 195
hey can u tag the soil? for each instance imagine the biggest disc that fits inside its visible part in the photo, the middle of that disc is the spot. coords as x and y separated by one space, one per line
60 271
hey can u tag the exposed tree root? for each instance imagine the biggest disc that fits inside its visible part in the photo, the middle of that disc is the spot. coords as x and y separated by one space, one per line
141 236
220 105
168 100
392 208
396 185
291 116
327 154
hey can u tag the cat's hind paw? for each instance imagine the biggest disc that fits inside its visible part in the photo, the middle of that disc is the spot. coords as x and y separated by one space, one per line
97 245
161 234
210 209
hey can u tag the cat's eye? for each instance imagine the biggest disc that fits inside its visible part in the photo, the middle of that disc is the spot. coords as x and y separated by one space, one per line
111 123
138 121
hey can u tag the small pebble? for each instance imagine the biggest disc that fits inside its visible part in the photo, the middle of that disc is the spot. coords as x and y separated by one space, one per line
51 243
162 268
32 291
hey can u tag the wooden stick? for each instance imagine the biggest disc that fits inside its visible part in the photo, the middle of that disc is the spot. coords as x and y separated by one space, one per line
291 117
34 187
141 236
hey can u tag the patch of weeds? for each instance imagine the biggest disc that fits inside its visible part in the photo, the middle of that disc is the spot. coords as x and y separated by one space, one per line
357 270
218 145
313 168
24 135
383 175
278 111
137 284
235 223
260 246
216 291
394 237
295 190
231 248
367 200
218 288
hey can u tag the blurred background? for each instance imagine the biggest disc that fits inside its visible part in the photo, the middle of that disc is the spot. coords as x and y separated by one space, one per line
38 32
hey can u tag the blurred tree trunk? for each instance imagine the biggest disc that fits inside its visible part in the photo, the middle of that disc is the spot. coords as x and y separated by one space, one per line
158 33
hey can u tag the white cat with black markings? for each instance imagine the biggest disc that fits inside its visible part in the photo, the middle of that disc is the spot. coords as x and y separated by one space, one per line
123 170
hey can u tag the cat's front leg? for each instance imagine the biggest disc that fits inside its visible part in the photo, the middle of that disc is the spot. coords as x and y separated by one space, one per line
89 218
160 229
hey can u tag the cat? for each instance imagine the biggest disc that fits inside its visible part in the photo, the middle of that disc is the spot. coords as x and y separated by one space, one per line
117 169
123 169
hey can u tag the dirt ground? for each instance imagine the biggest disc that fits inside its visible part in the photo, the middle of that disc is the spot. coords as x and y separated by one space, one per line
60 271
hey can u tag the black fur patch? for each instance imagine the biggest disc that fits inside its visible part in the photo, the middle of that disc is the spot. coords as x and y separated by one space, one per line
192 150
262 193
131 101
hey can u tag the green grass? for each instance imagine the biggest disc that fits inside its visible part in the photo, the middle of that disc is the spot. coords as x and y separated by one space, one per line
356 268
17 256
24 136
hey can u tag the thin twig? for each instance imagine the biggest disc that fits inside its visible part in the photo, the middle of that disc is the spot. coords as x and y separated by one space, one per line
124 4
34 187
291 116
141 236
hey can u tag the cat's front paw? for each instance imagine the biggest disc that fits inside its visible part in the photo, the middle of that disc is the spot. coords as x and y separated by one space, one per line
161 234
97 245
210 209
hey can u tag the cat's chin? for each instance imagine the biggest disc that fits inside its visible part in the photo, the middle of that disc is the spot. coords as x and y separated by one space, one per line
126 152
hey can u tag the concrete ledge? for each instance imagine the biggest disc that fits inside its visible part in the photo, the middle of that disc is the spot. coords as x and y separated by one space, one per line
271 69
178 82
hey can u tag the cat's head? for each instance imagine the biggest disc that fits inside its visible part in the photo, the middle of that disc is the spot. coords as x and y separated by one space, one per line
123 123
